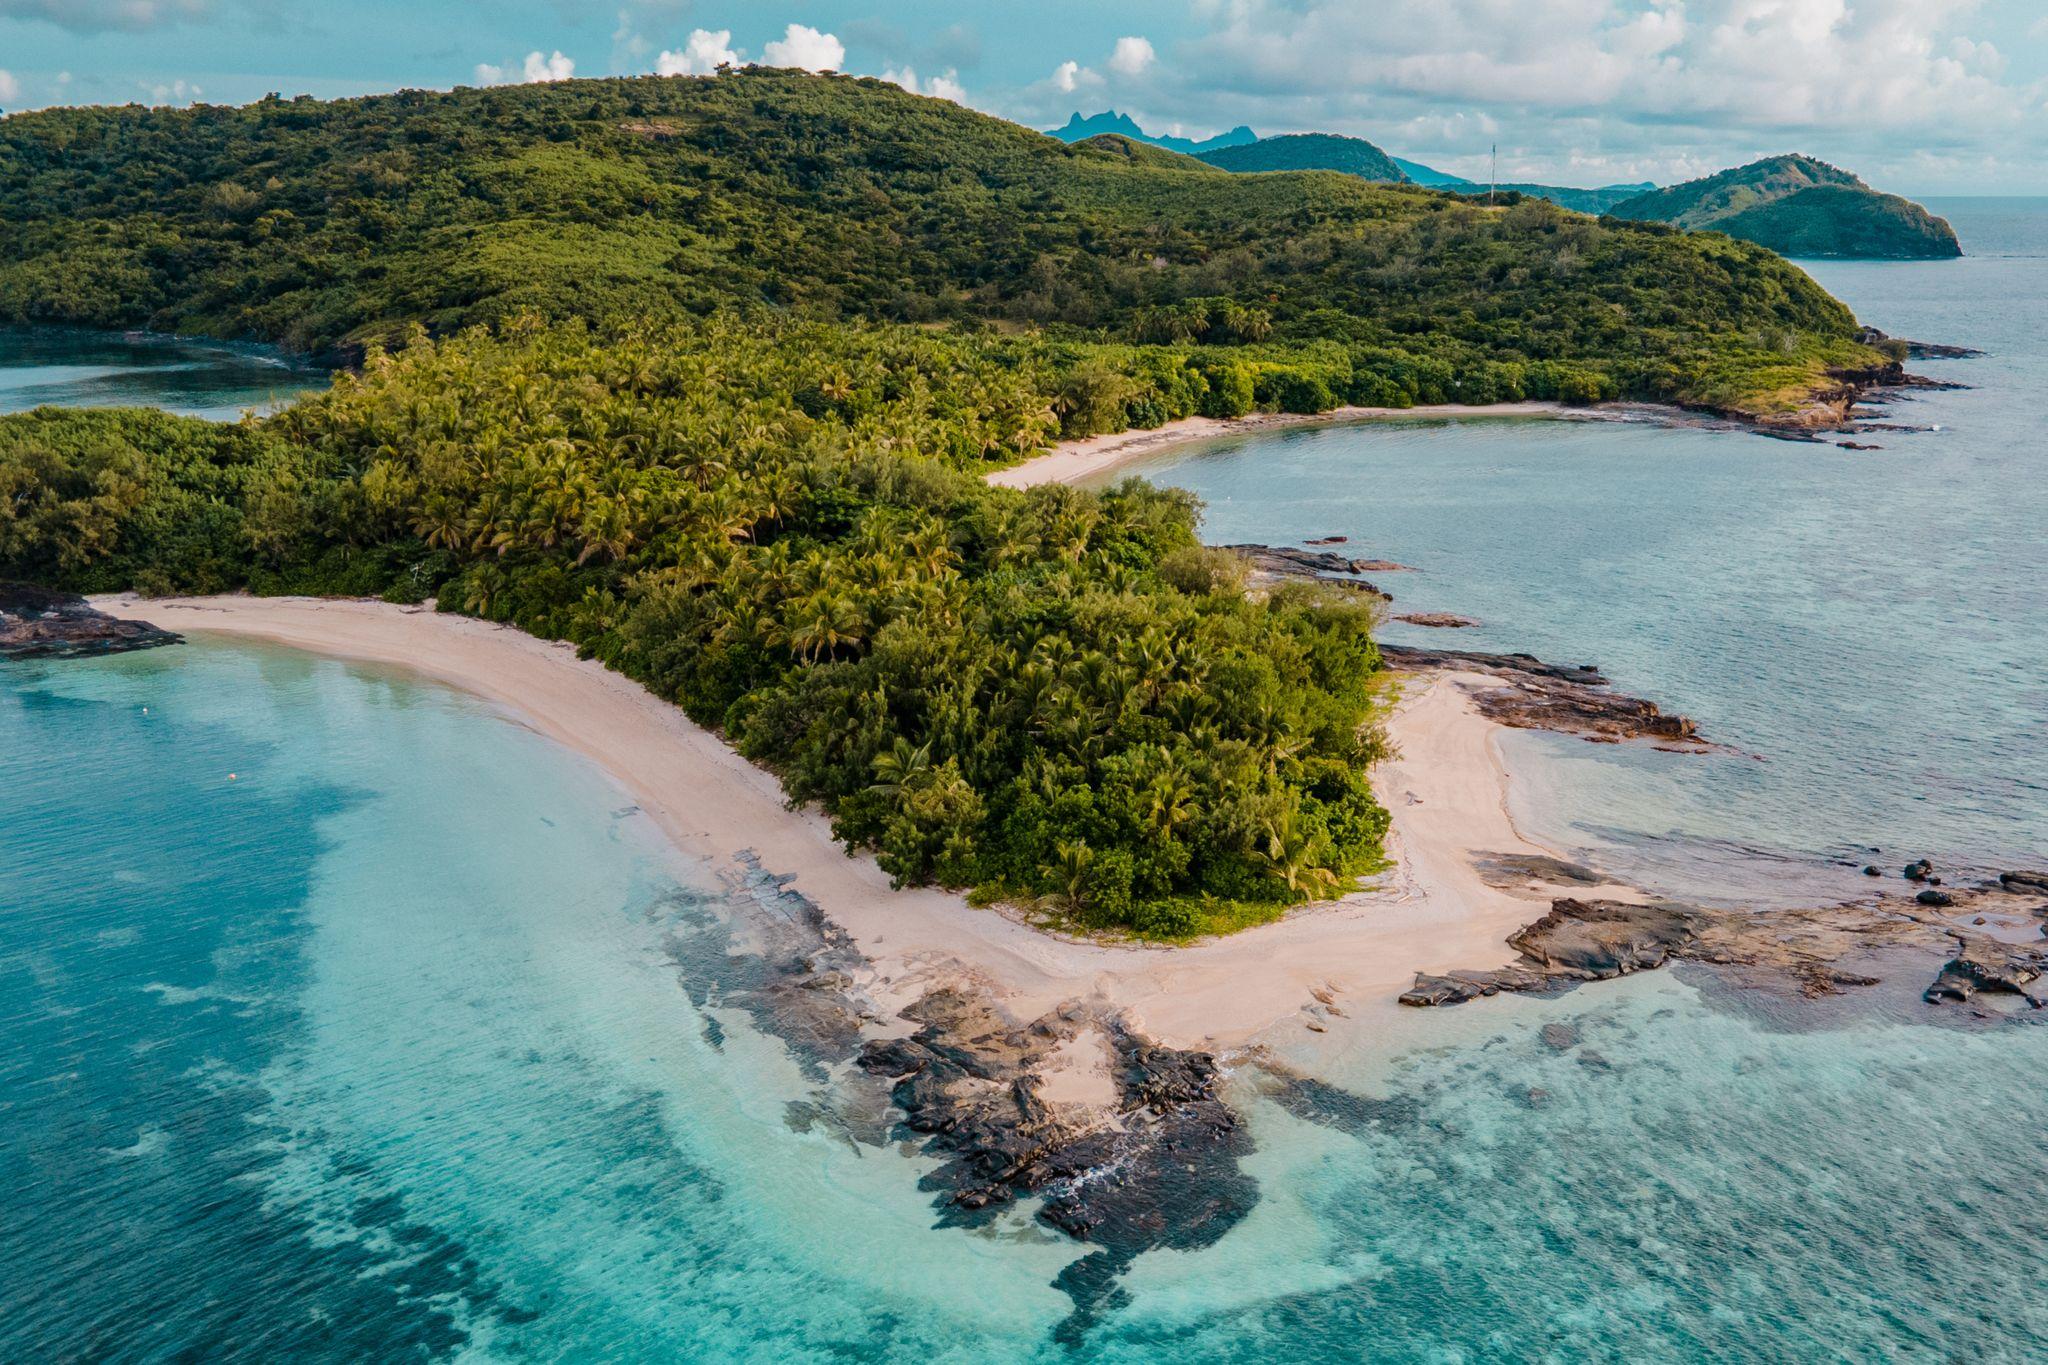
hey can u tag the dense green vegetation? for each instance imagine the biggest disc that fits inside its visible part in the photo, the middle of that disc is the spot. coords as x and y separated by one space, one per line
1053 694
1308 152
323 224
1798 206
701 374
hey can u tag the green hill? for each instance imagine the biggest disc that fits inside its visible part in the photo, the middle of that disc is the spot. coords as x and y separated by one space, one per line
1798 206
332 224
1308 152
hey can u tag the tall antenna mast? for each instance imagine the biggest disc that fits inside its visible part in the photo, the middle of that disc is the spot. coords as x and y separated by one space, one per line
1493 176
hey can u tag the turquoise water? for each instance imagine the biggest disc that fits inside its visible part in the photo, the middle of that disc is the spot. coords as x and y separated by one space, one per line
346 1019
80 369
1869 625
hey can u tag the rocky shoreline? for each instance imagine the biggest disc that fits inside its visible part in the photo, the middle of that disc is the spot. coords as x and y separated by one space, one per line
1987 939
37 623
1562 698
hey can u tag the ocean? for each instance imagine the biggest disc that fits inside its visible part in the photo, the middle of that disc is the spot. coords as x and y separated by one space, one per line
347 1019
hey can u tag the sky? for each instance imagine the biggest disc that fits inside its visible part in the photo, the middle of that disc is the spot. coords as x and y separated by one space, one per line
1918 96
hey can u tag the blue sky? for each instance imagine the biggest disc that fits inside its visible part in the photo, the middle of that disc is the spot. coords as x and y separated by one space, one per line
1921 96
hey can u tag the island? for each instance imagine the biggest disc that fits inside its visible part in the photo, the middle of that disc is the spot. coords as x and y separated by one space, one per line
1799 206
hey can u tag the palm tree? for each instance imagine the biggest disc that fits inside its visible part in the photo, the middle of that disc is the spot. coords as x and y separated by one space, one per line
902 765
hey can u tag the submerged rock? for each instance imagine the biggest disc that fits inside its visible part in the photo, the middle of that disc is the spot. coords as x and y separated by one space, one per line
37 623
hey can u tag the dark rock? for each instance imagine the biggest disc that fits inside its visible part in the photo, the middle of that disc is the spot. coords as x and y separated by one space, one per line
1918 872
1327 540
36 623
1935 898
1511 870
1560 1037
1573 700
1920 350
1983 965
1870 871
1438 620
2023 881
1271 564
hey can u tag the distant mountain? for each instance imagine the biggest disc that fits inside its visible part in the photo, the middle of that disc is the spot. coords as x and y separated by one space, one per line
1424 175
1309 152
1080 129
1798 206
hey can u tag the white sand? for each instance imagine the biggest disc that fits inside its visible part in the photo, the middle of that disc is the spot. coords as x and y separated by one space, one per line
1071 461
1447 792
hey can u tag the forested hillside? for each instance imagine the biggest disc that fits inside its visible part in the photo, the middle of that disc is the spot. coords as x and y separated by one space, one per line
329 224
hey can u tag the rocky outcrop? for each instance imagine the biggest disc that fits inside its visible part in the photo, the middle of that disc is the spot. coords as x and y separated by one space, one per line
36 623
1569 699
1273 564
1917 350
1986 965
1143 1155
1816 952
1156 1167
1440 620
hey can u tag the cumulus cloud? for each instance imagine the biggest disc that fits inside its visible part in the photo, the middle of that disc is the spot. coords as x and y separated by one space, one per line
1732 63
1066 77
10 88
702 55
946 87
172 92
801 45
1131 56
535 68
100 16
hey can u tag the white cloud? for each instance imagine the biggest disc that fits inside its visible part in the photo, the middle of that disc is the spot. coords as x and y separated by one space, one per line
1766 64
172 92
702 55
1131 56
535 68
946 87
10 88
1066 76
804 46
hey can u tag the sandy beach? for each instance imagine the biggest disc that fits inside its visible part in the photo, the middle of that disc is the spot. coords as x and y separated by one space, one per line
1447 791
1432 911
1071 461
